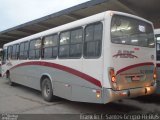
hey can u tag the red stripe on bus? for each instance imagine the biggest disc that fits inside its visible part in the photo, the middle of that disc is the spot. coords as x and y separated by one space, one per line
158 64
63 68
134 66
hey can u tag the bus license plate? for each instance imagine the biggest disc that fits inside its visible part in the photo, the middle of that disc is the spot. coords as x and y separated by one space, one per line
135 78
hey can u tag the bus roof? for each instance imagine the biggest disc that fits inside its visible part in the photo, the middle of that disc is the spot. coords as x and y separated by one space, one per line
81 22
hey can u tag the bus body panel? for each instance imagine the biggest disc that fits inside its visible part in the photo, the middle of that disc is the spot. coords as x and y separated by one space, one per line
128 61
137 65
157 34
33 72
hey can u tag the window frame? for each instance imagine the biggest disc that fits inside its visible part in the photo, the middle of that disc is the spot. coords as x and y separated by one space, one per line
9 58
100 54
43 48
70 30
40 54
129 44
77 28
24 50
63 44
4 56
16 53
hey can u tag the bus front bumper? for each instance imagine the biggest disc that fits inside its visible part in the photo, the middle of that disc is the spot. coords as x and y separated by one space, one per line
111 95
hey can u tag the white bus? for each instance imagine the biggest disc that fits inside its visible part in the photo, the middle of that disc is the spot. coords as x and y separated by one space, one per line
157 35
99 59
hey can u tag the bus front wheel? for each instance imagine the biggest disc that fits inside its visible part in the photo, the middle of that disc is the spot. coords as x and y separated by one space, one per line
47 91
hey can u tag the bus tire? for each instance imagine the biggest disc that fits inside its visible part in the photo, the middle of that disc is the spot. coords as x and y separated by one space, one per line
9 79
47 90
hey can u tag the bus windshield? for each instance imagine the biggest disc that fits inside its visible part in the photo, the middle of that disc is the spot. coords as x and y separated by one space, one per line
130 31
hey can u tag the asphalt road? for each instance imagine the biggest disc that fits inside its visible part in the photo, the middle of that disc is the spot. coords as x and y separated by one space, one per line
22 100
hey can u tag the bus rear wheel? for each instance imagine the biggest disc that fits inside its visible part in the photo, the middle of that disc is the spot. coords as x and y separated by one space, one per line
47 91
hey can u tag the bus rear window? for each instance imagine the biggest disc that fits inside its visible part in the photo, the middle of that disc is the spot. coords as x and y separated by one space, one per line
158 47
131 31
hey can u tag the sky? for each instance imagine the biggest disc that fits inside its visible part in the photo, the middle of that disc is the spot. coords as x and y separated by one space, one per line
16 12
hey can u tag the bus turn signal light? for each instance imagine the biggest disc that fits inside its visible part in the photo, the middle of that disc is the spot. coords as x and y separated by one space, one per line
155 74
113 79
112 75
98 94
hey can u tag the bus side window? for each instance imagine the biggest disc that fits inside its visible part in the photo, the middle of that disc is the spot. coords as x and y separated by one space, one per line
21 51
50 46
71 43
64 44
15 51
35 49
9 52
4 58
76 43
23 54
26 46
93 40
